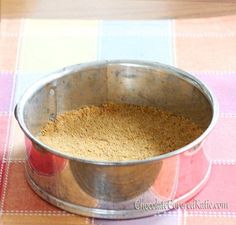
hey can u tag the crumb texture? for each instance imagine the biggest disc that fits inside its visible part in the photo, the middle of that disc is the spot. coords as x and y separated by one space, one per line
118 132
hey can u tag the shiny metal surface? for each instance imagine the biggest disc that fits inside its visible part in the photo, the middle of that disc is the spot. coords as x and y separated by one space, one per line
116 189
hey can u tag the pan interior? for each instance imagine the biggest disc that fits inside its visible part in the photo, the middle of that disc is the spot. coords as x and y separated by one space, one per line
132 83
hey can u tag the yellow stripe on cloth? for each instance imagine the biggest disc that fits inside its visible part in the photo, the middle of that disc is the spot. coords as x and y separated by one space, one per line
51 44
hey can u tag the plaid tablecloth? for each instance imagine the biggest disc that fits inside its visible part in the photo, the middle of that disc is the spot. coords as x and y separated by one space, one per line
31 48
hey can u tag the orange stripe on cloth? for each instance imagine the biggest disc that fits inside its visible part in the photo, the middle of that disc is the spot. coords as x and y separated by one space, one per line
8 219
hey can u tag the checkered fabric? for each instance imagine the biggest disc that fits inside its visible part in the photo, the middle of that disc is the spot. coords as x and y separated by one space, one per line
31 48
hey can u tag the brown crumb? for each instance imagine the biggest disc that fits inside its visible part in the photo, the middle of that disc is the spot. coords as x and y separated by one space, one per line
118 132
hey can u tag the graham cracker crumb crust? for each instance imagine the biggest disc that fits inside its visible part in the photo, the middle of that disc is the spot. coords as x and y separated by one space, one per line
118 132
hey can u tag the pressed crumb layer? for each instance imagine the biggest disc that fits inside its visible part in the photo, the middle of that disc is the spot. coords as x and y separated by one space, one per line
118 132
